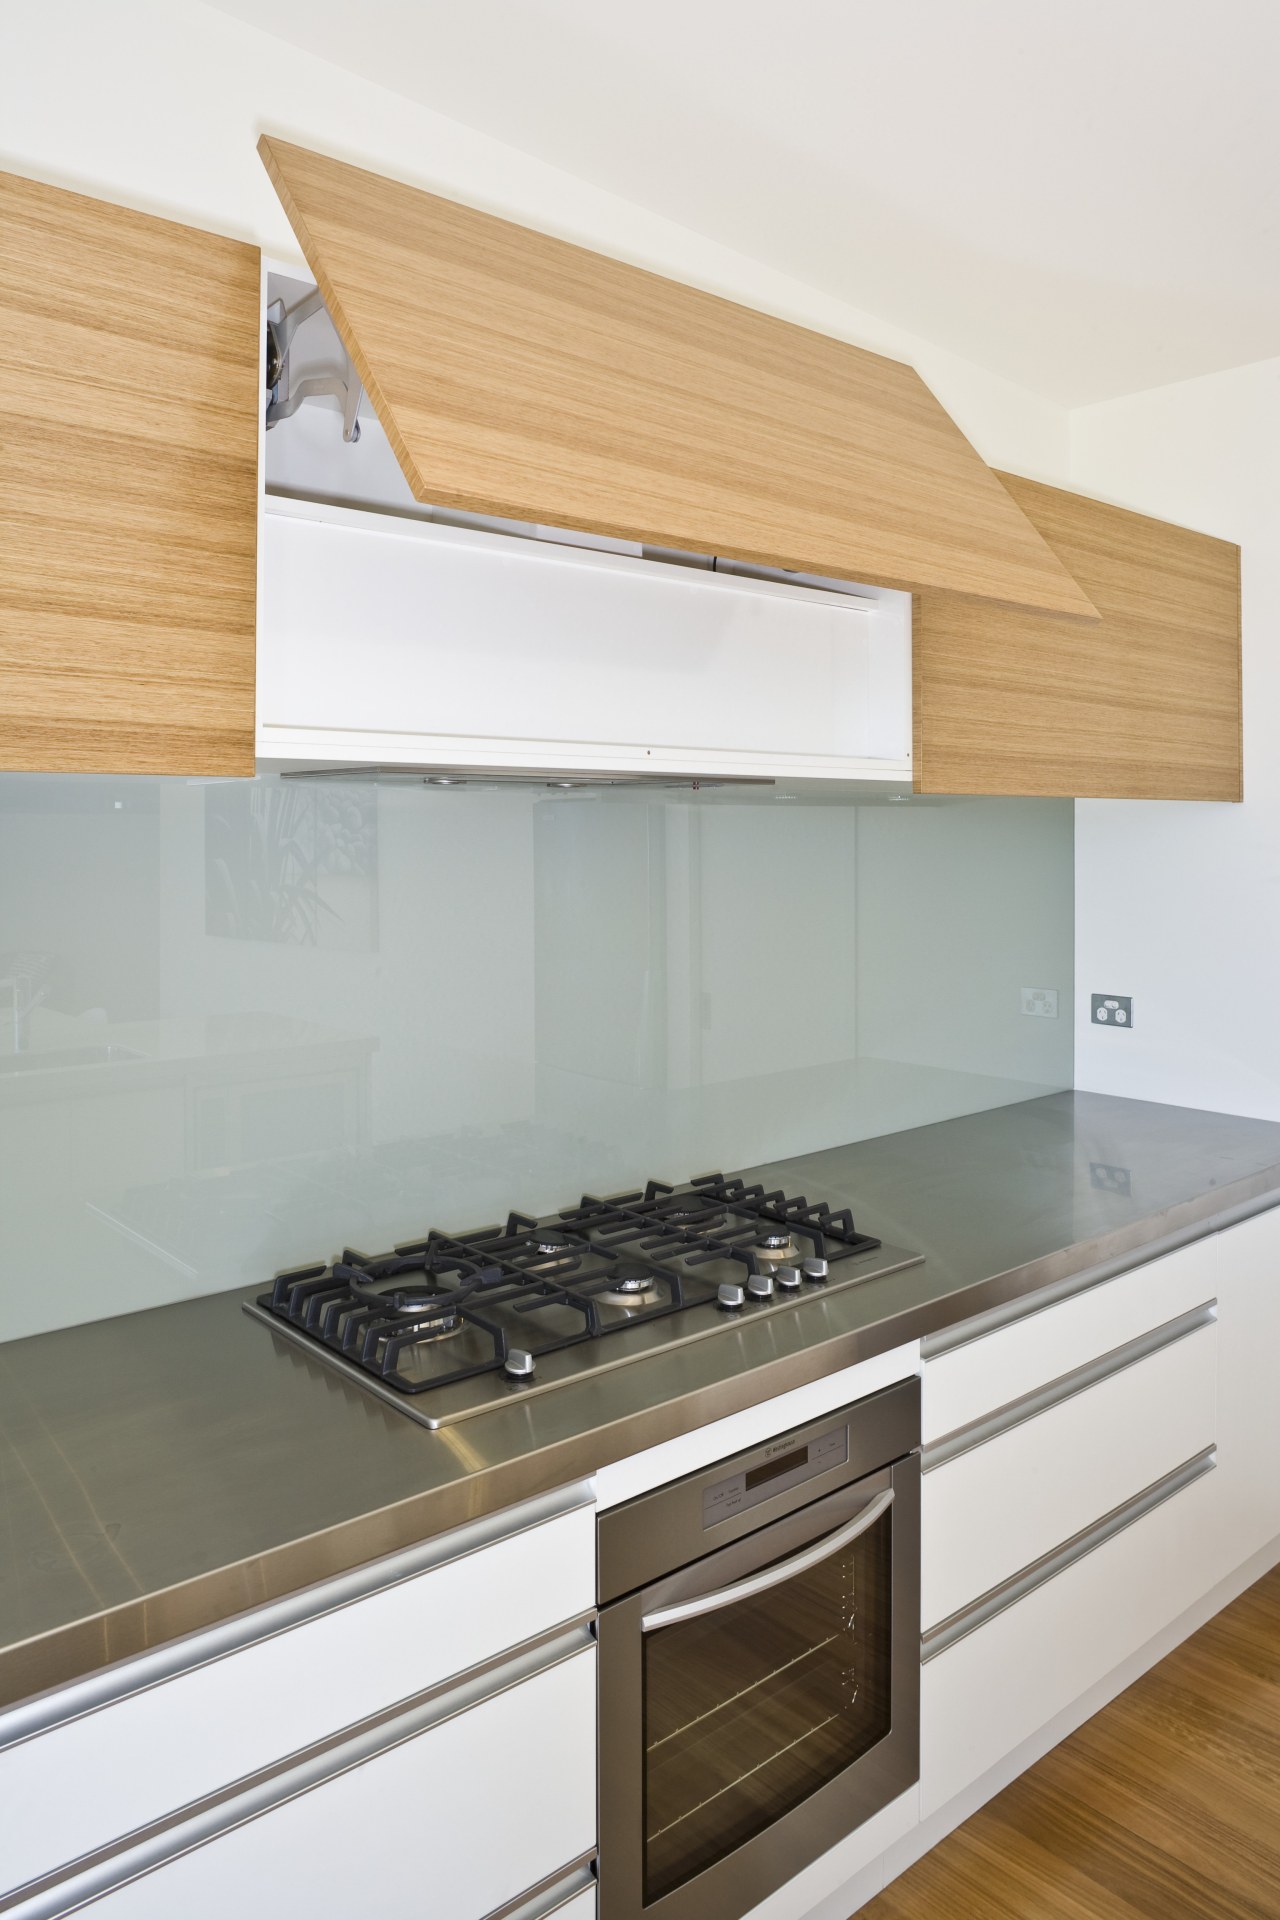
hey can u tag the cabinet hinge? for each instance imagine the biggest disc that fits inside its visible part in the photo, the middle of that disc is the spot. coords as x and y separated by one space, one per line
285 394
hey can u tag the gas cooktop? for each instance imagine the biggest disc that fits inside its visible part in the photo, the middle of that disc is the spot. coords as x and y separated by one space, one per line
454 1324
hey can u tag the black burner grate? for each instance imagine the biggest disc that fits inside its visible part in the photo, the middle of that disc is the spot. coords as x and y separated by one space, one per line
543 1285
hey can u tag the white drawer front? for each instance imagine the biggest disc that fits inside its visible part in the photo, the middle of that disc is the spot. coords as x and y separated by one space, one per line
990 1512
447 1826
992 1690
88 1781
973 1380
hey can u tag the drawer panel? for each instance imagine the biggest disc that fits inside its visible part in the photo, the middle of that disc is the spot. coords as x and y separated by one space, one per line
991 1511
973 1380
992 1690
88 1781
446 1826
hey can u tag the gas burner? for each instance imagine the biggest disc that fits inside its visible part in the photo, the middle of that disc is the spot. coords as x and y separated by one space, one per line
404 1286
689 1210
775 1247
552 1247
432 1326
631 1284
410 1303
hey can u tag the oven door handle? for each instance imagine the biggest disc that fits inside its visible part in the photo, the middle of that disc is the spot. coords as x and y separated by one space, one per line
771 1576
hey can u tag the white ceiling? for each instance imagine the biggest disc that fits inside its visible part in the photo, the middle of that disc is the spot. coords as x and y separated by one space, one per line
1084 197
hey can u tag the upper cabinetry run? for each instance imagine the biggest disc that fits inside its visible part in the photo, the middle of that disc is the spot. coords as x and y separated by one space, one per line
522 377
1144 705
129 430
1058 646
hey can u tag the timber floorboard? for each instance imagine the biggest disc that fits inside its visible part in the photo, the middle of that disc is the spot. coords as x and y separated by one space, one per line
1165 1804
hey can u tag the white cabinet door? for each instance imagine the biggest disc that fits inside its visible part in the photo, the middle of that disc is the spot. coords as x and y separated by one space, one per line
1001 1683
990 1512
972 1380
323 1661
1248 1475
992 1690
445 1826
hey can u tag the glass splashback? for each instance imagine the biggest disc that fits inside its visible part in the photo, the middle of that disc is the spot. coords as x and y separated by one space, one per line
245 1023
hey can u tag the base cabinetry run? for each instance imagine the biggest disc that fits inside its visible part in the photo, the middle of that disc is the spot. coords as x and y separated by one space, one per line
1017 1669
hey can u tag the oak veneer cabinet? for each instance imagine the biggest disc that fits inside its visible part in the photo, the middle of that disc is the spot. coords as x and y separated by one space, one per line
1145 705
520 376
129 424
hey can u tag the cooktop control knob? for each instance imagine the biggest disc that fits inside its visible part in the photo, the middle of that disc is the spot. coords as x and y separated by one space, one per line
788 1276
730 1294
816 1269
518 1364
760 1285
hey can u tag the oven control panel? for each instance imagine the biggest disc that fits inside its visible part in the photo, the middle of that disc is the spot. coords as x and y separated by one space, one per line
781 1468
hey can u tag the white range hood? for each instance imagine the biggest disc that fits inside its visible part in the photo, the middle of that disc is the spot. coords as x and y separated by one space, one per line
396 642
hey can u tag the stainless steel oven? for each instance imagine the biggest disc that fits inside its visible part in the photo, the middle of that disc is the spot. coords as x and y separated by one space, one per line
759 1662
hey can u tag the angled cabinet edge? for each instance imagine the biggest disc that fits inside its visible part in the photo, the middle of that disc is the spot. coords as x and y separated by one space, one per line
1144 705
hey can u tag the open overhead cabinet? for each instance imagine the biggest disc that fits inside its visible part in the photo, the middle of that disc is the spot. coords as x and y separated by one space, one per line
520 376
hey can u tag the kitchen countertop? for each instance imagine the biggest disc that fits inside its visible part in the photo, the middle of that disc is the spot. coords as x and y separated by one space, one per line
164 1470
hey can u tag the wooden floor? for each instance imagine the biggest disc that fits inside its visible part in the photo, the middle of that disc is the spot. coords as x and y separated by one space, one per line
1165 1804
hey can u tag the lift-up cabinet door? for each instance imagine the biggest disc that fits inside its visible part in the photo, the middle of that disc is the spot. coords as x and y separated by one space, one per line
519 376
1144 705
129 402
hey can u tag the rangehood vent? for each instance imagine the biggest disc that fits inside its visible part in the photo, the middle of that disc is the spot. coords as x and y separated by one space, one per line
519 377
548 779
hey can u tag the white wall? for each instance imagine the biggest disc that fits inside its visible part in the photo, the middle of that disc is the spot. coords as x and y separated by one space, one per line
159 104
1179 904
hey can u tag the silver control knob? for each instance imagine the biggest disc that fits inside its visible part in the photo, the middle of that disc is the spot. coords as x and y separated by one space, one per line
519 1364
816 1269
730 1293
760 1285
787 1276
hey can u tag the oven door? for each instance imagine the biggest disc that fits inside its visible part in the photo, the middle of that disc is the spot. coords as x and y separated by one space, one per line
760 1704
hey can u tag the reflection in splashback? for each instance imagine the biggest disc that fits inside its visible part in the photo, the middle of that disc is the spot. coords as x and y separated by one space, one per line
243 1024
291 862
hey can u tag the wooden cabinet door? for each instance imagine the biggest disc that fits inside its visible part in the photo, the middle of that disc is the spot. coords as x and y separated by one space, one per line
129 402
520 376
1144 705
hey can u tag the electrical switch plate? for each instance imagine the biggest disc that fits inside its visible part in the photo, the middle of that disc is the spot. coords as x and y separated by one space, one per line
1111 1009
1041 1002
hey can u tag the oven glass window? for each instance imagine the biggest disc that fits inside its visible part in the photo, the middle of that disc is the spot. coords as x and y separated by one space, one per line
750 1709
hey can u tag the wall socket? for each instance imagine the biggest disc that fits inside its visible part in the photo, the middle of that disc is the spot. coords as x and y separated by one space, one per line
1040 1002
1111 1009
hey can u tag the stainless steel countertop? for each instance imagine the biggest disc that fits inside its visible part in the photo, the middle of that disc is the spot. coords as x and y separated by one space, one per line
164 1470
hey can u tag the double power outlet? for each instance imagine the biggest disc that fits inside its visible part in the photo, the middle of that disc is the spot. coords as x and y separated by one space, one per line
1105 1009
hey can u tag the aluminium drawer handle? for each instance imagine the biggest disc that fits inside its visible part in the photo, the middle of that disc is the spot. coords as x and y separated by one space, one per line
772 1576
